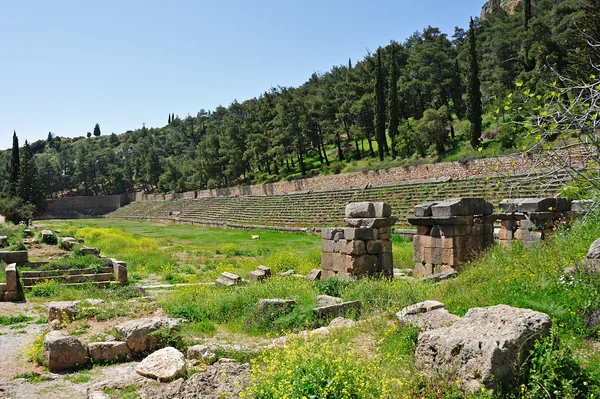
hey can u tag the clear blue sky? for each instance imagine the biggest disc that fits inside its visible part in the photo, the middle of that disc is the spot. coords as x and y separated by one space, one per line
69 64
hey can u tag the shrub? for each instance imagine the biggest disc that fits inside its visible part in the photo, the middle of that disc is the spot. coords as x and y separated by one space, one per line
46 289
35 350
314 369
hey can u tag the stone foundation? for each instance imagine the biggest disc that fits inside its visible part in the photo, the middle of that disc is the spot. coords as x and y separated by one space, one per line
449 233
364 248
531 220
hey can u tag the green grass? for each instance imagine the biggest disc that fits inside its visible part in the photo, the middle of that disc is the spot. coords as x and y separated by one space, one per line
9 320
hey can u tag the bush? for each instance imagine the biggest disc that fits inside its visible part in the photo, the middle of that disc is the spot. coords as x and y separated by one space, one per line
15 210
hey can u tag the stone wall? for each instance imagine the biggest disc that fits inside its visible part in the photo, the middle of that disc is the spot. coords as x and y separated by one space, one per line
84 206
501 166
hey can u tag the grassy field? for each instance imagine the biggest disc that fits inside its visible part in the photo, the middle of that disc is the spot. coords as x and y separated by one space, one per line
376 358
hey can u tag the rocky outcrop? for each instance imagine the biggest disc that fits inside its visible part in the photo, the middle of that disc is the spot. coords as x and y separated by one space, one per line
108 352
484 348
507 5
163 365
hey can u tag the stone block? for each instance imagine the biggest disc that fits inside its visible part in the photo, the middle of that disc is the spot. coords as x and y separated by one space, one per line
137 333
354 247
327 245
18 257
364 264
327 274
256 275
382 210
328 300
339 309
108 352
508 224
11 277
63 352
433 256
418 252
163 365
424 209
505 234
427 315
265 269
386 264
269 307
386 246
374 246
48 237
483 349
338 236
360 234
370 222
315 274
385 233
422 269
340 245
89 251
530 205
329 233
461 207
360 210
120 271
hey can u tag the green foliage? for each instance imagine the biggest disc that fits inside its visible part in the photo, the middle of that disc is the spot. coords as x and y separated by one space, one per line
46 289
9 320
167 337
15 210
50 239
474 109
35 350
552 371
32 377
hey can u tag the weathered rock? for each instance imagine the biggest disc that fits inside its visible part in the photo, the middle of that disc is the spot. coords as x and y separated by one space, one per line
315 274
208 352
275 306
288 273
382 210
137 332
110 351
370 223
261 273
461 207
424 209
360 210
63 352
339 309
163 365
593 255
327 300
340 322
483 348
224 379
227 279
89 251
438 277
62 311
67 243
530 205
48 237
427 315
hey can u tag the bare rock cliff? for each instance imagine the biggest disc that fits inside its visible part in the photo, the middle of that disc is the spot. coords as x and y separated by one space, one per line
508 6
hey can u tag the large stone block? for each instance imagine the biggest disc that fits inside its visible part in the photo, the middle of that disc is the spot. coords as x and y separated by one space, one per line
339 309
327 245
374 246
382 210
137 333
364 264
18 257
370 222
360 210
120 270
461 207
360 234
386 264
108 352
424 209
530 205
163 365
427 315
330 232
484 348
63 352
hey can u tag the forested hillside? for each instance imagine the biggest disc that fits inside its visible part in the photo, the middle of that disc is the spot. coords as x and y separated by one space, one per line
406 100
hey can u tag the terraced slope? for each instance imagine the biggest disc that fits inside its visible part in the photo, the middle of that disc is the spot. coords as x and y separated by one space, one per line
312 209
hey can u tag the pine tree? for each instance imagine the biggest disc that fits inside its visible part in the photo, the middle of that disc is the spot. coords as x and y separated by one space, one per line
393 102
379 106
29 188
15 165
474 90
169 119
97 130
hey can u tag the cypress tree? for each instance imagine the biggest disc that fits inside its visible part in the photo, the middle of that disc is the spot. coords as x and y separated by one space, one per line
379 106
474 90
393 102
29 188
169 119
97 130
527 13
15 165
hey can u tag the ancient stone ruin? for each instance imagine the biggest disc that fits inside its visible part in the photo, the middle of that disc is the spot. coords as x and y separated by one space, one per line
449 233
364 247
531 220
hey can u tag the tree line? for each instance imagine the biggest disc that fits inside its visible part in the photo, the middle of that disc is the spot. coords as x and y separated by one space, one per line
420 97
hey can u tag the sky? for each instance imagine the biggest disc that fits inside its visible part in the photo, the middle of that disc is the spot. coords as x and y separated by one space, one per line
69 64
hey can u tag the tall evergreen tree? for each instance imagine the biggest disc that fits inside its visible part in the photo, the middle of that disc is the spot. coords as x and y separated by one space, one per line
474 110
29 188
97 130
380 105
527 13
169 119
15 165
393 102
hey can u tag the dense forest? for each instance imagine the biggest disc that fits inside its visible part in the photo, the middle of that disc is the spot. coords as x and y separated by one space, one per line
428 96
